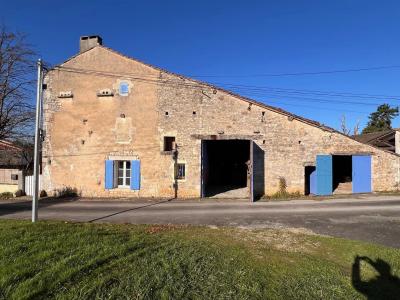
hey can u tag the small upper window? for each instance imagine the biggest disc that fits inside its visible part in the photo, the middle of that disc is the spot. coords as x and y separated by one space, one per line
169 143
123 89
180 171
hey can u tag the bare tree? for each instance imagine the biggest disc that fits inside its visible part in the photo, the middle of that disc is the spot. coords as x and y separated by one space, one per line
356 130
343 126
16 85
344 129
26 153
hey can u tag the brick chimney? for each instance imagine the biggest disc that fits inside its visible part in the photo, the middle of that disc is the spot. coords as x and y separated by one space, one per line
89 41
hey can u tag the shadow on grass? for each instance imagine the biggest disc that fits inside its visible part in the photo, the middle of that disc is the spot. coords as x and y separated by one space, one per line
384 286
130 209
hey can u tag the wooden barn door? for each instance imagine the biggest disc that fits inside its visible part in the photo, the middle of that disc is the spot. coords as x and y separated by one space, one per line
361 174
324 175
250 170
256 170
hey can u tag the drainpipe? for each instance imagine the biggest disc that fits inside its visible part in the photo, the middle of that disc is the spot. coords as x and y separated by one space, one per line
175 158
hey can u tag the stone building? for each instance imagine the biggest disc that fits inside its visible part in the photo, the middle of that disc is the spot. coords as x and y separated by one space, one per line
115 126
13 165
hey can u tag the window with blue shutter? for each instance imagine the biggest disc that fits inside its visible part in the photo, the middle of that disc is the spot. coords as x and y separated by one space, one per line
109 175
135 175
122 174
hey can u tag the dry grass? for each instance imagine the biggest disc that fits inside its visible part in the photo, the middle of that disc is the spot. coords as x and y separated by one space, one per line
289 239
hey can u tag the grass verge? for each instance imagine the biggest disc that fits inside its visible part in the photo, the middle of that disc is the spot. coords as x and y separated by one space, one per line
102 261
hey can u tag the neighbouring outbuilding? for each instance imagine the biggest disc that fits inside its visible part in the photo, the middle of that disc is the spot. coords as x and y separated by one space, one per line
115 126
13 167
386 139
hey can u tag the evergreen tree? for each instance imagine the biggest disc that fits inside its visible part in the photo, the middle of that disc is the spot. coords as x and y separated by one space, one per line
381 119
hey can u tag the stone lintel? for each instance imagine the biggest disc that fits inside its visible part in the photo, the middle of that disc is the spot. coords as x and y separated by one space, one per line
227 136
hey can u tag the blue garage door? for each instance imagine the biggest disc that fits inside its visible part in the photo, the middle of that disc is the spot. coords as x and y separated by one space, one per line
362 174
324 175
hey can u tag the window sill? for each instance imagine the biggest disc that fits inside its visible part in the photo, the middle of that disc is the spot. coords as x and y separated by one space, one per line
167 152
122 191
120 187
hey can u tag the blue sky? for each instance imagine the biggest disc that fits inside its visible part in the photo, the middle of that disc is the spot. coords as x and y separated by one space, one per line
234 42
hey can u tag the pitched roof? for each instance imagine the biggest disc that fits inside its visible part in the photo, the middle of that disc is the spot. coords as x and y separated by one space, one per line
10 154
6 145
249 100
373 136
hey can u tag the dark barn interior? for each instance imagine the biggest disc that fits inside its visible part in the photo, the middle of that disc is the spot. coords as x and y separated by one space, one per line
307 180
341 174
224 165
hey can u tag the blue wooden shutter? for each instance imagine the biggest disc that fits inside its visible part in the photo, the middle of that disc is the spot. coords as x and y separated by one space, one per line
135 175
361 173
324 174
109 175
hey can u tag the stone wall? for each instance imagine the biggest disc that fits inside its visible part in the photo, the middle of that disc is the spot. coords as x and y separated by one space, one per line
289 144
82 132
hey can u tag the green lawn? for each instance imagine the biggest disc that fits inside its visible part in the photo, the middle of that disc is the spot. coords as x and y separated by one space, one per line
91 261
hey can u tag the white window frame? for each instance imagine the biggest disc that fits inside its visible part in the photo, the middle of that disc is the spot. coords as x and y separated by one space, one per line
176 171
124 176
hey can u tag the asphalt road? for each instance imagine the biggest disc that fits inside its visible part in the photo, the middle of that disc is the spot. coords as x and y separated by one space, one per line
370 218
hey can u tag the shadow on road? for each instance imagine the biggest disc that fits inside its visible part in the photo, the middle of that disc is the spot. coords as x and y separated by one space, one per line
8 208
130 209
384 286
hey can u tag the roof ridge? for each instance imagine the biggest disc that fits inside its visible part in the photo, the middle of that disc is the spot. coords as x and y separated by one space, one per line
10 144
371 136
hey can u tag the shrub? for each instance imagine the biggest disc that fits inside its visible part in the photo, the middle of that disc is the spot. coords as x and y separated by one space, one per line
283 193
20 193
282 185
6 195
286 195
67 192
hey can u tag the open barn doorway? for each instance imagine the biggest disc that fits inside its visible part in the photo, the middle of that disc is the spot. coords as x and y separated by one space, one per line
309 180
342 169
225 168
